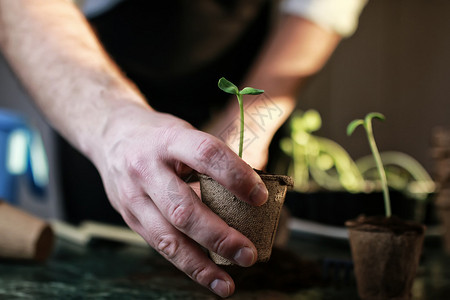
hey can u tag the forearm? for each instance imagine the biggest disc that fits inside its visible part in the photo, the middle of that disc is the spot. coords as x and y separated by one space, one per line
296 49
140 154
54 52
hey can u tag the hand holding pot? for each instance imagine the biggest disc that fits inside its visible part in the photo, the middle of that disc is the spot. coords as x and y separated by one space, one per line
144 155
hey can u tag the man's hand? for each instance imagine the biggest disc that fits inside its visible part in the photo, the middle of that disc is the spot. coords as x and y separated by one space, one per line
143 158
142 155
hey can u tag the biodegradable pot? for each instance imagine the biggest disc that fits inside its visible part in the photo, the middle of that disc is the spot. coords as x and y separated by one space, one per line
386 253
258 223
442 204
23 236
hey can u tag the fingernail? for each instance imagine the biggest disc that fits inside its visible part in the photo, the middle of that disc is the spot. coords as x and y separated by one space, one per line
220 287
245 257
259 194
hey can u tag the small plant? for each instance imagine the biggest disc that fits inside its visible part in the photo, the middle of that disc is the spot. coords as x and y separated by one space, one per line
367 124
230 88
318 160
257 223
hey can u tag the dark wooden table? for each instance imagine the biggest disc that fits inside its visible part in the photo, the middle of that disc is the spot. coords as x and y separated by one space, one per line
311 267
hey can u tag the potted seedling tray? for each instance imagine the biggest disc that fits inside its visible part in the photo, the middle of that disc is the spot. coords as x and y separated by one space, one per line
334 208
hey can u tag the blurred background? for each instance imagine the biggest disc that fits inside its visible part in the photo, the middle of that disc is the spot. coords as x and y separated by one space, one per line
397 63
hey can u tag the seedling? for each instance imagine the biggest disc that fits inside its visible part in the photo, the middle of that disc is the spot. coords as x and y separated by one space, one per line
230 88
367 124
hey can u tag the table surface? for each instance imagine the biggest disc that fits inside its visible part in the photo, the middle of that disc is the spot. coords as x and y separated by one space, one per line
311 267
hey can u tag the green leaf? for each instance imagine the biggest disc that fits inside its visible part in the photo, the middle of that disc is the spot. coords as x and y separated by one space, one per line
374 115
250 91
353 124
227 86
312 120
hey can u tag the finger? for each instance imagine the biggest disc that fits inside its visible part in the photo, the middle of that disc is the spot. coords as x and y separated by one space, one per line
177 248
195 186
210 156
181 207
183 171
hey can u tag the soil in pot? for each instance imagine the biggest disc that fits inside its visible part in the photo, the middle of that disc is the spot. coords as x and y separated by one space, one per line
386 253
258 223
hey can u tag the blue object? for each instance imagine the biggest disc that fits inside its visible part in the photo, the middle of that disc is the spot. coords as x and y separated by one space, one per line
21 153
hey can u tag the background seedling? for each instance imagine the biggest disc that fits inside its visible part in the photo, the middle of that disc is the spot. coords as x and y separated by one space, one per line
367 124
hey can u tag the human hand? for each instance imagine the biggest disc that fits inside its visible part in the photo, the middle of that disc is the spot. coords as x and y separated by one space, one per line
142 159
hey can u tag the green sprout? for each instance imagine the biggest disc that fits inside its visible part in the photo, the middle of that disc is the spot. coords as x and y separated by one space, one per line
230 88
367 124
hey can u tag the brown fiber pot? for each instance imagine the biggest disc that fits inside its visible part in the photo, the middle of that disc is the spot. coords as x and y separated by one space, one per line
386 253
258 223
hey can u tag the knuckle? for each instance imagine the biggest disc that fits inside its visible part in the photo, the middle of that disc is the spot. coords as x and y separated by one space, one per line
238 179
129 195
210 153
237 175
199 273
167 245
129 218
220 244
140 171
133 222
181 215
165 136
137 167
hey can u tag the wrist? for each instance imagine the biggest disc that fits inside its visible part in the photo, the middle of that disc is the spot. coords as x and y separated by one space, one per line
110 107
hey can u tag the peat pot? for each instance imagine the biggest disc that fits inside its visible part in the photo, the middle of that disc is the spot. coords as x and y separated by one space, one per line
259 224
386 253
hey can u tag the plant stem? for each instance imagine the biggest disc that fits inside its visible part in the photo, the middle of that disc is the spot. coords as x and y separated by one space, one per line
241 136
381 171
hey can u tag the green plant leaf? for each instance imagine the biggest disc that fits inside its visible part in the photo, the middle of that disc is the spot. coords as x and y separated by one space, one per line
227 86
367 124
312 120
250 91
374 115
353 124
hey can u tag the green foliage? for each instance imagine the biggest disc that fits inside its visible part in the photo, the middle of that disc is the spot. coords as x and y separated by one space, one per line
367 124
251 91
318 163
230 88
227 86
318 160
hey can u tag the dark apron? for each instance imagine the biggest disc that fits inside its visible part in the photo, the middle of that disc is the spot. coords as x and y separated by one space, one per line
175 51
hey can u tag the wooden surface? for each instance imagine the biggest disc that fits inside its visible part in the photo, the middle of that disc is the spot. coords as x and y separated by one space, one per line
312 268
